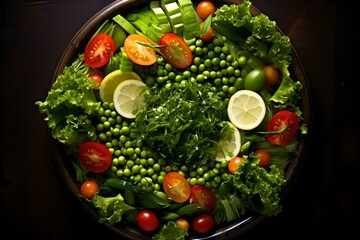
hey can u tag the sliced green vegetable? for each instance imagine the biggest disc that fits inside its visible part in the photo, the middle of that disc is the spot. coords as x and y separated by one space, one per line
125 24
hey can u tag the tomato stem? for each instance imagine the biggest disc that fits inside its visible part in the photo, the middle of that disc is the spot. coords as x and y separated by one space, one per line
155 47
274 132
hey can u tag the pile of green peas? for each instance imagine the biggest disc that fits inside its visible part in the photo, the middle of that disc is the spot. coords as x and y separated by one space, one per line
134 162
212 63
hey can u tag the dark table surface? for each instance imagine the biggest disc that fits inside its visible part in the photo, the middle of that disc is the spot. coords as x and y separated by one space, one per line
33 197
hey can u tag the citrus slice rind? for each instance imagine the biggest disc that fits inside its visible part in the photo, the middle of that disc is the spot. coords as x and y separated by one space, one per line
246 109
229 145
129 97
111 81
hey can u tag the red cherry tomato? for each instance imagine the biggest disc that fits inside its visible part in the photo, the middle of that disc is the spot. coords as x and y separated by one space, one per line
281 120
147 221
203 223
234 164
175 50
94 156
264 156
89 188
205 8
138 53
203 196
99 50
176 187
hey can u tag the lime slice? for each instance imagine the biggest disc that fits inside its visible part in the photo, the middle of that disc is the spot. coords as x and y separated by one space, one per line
229 145
111 81
129 97
246 109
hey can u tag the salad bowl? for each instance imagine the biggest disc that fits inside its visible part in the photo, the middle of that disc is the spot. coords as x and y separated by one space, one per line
224 231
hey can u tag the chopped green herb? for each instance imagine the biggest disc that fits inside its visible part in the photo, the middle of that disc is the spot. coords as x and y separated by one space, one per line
183 124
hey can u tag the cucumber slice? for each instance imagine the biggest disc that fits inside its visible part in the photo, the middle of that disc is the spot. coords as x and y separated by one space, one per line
126 64
125 24
173 13
190 19
161 16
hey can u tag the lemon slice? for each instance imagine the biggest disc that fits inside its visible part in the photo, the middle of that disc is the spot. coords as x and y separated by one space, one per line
246 109
229 145
129 97
111 81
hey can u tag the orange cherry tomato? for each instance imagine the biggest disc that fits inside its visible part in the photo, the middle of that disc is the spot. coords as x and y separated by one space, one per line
138 53
205 8
182 223
176 187
234 164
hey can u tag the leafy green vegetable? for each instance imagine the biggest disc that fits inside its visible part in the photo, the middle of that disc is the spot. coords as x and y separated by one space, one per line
280 155
146 21
256 34
183 123
258 187
151 200
69 105
259 36
288 95
228 205
170 231
111 209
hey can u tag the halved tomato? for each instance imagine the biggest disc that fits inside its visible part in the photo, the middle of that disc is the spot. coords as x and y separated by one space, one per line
203 197
176 187
283 119
175 50
99 50
94 156
137 52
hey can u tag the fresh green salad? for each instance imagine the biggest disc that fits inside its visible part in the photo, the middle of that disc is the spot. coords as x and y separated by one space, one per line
182 116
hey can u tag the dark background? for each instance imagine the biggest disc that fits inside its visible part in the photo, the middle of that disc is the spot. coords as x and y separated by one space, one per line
35 201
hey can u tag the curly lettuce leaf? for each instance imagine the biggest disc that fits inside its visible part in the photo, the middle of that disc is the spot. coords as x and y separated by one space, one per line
69 105
170 231
111 209
258 187
288 95
259 34
74 129
237 14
